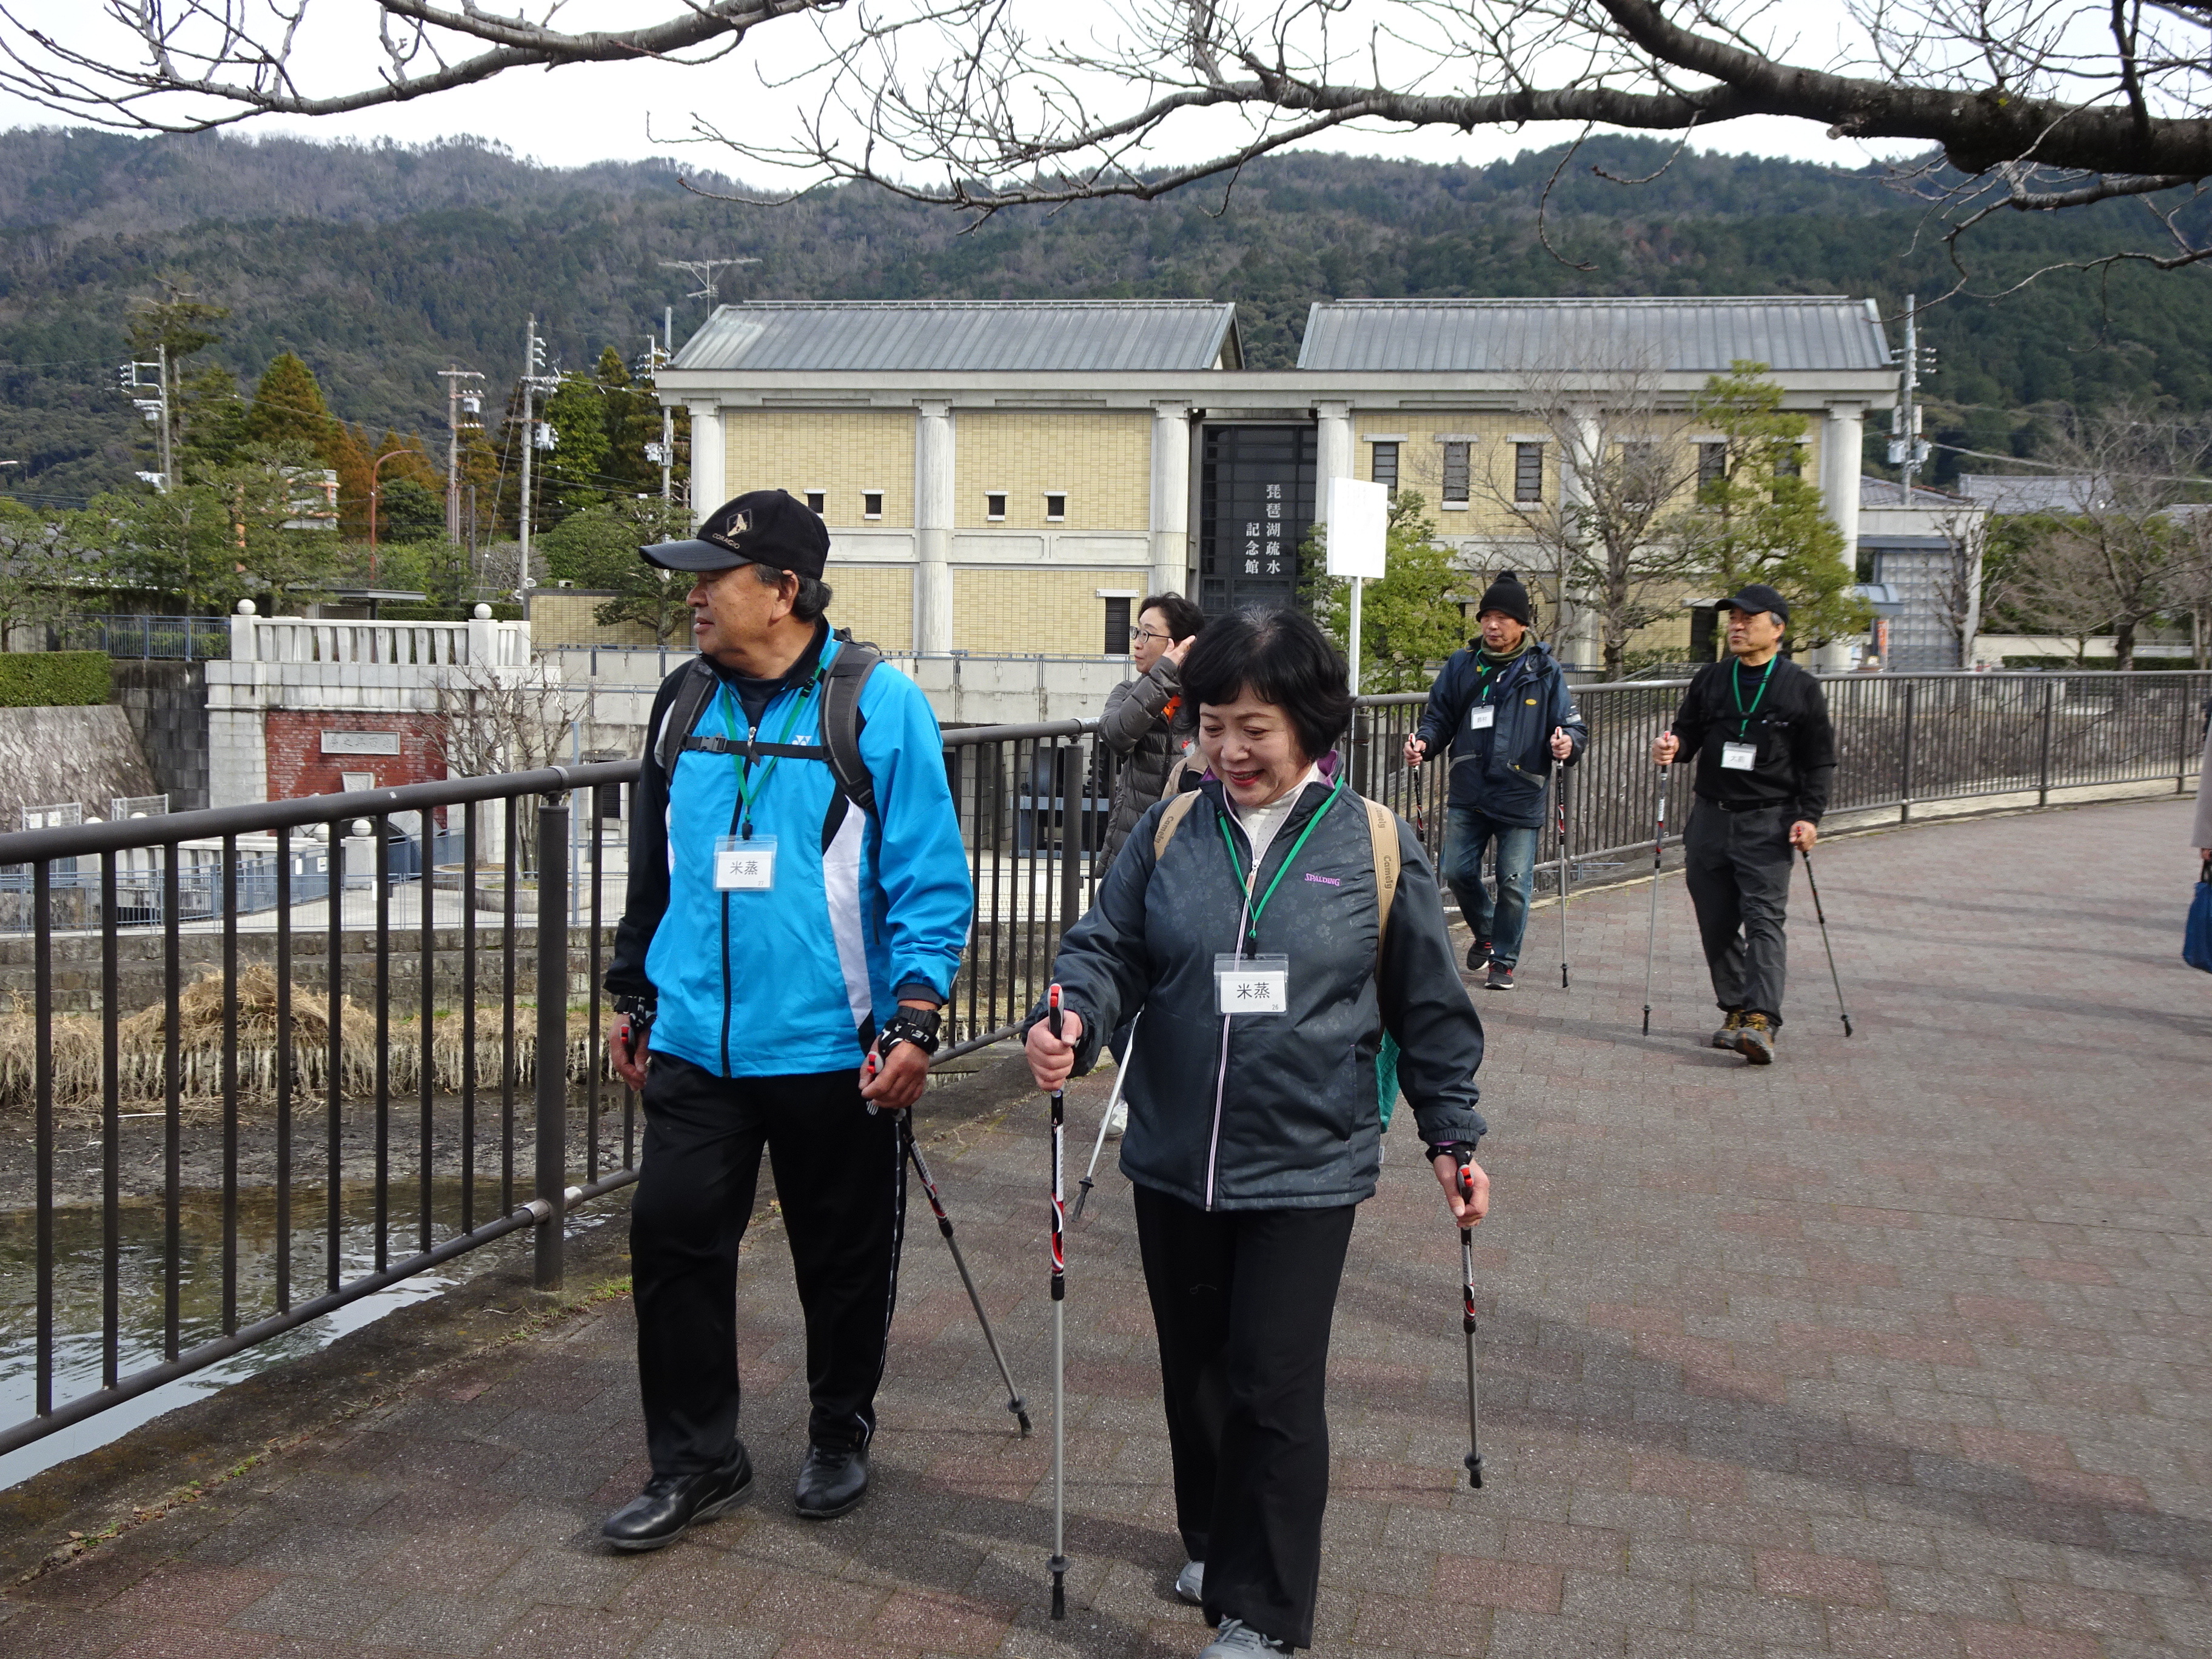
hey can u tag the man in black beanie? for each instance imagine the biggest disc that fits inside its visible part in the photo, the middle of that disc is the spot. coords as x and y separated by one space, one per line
1505 708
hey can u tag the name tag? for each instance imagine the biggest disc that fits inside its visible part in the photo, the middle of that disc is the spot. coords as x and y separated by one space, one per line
1738 756
745 866
1481 717
1251 985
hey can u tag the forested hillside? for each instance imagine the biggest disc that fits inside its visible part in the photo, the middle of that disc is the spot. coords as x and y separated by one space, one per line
379 265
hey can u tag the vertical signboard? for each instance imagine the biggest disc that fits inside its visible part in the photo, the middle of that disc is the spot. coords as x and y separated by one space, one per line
1255 507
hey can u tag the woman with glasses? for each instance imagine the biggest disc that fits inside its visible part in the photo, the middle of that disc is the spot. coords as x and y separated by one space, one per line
1145 724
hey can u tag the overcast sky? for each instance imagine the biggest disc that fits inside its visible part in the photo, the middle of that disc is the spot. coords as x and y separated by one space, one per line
573 116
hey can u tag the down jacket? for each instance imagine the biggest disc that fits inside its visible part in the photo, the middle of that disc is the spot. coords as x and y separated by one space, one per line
1147 746
1272 1111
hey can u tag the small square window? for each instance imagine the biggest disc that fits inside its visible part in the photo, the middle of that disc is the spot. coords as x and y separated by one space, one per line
871 504
1386 467
994 506
1118 628
1527 472
1456 474
1056 508
814 503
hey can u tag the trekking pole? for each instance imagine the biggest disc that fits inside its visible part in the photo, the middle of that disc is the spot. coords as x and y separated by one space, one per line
1824 945
1651 938
1473 1458
1559 804
1057 1564
1121 1073
1014 1403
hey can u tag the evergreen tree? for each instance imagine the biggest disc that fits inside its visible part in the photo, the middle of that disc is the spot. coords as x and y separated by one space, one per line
1409 621
575 471
597 548
288 407
1758 519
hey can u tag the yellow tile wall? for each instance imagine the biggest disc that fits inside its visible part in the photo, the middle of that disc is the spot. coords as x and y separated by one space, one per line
1102 459
839 451
563 617
876 601
1055 612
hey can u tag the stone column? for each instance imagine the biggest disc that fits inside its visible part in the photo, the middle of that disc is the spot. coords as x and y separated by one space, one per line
709 460
1578 634
932 524
1333 457
1171 497
1840 449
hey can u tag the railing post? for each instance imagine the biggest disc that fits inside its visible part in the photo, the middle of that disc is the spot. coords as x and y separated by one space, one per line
552 1169
2043 766
1905 762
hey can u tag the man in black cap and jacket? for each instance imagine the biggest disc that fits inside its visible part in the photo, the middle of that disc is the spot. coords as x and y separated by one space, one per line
1758 727
1502 709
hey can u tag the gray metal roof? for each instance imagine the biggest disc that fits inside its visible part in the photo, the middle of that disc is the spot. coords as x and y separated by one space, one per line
972 336
1475 336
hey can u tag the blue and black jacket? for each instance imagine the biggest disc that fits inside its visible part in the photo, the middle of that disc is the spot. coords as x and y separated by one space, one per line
867 907
1501 769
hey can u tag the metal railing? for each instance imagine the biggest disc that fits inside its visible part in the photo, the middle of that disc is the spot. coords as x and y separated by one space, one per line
186 639
456 1105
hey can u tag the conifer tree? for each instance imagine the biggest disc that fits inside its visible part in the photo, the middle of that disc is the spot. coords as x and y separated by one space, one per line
1410 620
288 408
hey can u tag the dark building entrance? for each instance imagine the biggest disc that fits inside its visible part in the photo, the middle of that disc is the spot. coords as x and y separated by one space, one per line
1255 506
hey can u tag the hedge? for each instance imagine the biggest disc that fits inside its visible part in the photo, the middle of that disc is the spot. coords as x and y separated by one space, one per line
52 679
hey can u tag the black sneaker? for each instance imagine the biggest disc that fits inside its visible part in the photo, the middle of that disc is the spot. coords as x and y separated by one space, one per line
831 1481
1501 978
1478 955
671 1504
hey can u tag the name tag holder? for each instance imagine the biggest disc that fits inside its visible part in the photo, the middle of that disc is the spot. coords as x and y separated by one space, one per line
1482 717
1251 985
1738 756
745 866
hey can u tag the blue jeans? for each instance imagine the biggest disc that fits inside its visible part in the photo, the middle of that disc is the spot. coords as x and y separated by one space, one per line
1467 833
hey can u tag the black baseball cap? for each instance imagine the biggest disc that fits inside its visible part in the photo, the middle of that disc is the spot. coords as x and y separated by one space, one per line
1756 597
762 526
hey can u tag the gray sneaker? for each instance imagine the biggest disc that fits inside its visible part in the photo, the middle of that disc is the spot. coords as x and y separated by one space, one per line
1190 1583
1237 1640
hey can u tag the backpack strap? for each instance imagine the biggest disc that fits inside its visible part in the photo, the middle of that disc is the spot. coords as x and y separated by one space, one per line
693 693
1178 808
842 684
1382 832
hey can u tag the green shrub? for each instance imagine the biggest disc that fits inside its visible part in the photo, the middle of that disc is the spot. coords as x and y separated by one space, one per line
52 679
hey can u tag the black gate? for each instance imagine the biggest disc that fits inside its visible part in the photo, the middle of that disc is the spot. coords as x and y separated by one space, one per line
1255 506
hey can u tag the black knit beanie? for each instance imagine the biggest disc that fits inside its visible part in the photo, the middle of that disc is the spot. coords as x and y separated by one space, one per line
1507 594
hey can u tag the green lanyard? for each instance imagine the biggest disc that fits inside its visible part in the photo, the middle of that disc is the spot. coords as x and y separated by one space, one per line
1735 685
1221 822
746 797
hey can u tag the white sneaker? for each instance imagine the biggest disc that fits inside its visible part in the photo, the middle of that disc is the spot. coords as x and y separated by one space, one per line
1190 1583
1237 1640
1118 1119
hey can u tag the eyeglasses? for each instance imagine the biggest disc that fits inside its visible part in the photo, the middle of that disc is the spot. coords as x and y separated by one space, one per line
1149 635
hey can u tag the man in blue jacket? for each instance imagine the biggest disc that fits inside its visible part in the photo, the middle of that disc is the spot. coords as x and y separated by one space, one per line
1505 708
783 953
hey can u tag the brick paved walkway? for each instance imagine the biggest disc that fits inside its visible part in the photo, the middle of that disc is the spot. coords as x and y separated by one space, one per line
1897 1348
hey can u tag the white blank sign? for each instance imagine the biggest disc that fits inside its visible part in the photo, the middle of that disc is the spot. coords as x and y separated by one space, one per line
1359 518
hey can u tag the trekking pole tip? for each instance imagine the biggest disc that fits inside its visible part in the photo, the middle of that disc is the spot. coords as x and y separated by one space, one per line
1473 1462
1060 1587
1076 1214
1021 1414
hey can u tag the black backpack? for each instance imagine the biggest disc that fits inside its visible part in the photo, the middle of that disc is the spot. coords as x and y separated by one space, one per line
842 684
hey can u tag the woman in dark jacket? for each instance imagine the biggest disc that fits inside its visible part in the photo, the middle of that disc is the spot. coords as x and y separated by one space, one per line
1144 722
1253 1135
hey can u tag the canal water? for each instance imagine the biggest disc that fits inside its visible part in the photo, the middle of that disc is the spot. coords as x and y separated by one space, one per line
141 1286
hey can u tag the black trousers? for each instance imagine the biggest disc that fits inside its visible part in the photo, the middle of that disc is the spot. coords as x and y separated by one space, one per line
840 1178
1737 865
1243 1301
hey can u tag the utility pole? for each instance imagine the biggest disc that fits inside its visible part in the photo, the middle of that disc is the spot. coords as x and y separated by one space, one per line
657 354
464 406
156 409
533 376
1907 451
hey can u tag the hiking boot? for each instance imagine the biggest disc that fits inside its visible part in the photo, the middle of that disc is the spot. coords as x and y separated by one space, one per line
1501 978
1725 1037
1478 955
1237 1640
1754 1040
832 1480
671 1504
1190 1583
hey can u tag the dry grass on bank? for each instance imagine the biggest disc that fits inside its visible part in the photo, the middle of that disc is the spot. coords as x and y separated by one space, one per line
142 1072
